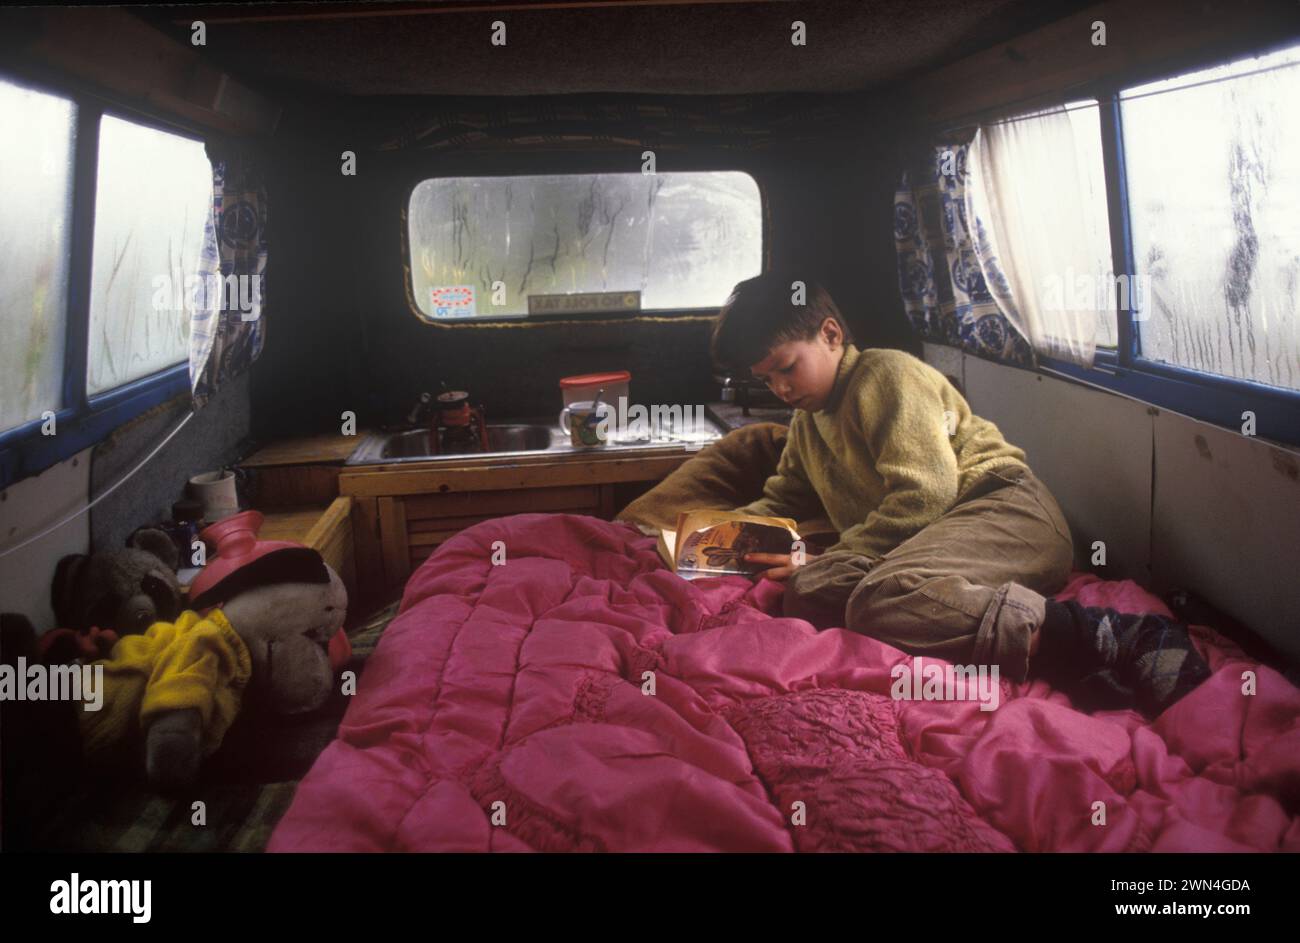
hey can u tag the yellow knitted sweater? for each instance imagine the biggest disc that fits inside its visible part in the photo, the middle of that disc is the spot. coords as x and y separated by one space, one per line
879 457
196 661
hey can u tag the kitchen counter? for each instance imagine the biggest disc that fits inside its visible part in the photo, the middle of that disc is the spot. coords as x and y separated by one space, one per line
402 510
549 444
324 449
299 472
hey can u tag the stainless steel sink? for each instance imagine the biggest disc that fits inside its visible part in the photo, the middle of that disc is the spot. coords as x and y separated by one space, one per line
532 436
501 438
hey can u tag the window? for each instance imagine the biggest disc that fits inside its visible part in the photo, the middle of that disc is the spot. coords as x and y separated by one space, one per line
97 293
1214 199
681 239
37 136
1200 178
153 195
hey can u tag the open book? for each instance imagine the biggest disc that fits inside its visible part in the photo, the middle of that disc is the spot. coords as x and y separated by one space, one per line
714 543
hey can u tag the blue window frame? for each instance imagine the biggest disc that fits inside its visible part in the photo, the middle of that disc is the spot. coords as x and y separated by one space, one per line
1221 400
83 420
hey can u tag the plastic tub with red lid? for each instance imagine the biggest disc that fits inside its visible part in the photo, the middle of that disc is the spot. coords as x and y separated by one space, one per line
583 388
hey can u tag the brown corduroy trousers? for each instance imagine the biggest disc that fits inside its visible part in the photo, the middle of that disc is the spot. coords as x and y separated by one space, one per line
969 588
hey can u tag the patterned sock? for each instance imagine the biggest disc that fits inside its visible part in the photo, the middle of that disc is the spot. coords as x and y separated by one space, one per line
1108 659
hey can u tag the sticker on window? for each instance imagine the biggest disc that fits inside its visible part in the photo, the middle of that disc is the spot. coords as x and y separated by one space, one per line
453 301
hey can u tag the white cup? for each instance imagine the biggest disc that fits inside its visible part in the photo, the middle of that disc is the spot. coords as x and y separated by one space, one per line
582 423
216 492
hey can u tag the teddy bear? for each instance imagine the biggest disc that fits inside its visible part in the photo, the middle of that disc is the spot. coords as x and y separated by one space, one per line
261 630
263 627
124 592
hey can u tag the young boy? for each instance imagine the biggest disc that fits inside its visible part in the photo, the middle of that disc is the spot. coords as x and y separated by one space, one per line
949 544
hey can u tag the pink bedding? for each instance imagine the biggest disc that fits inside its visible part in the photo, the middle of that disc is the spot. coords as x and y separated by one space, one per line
515 692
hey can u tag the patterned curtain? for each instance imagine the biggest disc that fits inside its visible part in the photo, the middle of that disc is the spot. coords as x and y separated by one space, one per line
228 326
944 292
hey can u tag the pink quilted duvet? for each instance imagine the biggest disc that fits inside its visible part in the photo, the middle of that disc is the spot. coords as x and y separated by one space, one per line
503 710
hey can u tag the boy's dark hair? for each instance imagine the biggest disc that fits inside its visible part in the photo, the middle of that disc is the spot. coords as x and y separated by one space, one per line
760 314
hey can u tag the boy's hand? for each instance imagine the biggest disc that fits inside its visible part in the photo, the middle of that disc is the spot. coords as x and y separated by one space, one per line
782 564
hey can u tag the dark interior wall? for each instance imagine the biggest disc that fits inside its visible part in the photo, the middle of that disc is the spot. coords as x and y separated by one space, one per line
213 438
312 358
341 334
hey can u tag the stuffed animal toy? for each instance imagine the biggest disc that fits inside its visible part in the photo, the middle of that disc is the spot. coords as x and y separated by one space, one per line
262 629
262 620
125 592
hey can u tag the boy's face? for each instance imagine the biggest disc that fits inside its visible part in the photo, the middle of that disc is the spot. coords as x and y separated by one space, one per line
802 373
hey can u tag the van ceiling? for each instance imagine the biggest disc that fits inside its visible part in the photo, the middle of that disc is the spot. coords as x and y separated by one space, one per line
441 47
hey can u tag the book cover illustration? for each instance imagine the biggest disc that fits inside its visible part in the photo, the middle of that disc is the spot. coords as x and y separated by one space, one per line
714 543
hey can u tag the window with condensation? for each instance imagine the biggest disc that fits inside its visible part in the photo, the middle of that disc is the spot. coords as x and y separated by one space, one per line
479 246
1214 201
37 141
153 196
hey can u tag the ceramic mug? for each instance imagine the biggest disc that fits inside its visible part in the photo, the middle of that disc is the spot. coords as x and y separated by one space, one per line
583 423
216 491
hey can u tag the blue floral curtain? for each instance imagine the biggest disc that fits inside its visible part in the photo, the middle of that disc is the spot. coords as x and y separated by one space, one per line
940 278
228 327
